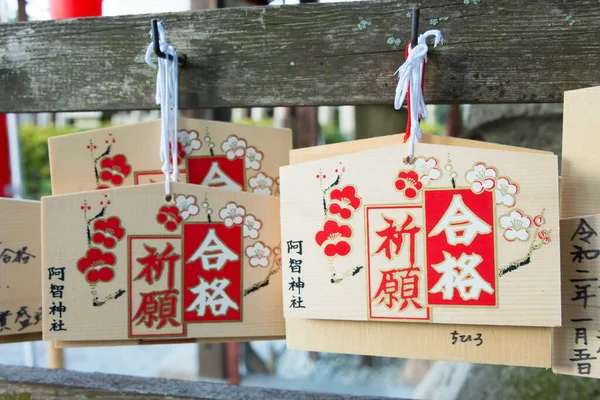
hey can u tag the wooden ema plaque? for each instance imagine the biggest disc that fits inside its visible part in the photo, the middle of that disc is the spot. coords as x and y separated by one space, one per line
576 344
460 236
525 346
20 260
217 154
126 266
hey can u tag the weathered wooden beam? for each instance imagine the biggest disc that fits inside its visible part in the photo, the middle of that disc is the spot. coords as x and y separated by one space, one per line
502 51
38 383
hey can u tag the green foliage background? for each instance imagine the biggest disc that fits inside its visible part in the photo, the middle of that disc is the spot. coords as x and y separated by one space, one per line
493 382
34 158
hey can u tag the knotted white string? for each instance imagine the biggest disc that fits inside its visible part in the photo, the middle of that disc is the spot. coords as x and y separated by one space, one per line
411 72
167 85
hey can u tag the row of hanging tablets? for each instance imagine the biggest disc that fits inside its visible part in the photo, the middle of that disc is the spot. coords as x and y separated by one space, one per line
454 255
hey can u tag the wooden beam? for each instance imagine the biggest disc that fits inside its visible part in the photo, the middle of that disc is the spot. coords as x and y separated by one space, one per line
305 127
39 383
56 358
503 51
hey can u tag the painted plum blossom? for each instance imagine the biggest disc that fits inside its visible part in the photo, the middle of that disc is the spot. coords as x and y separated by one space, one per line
189 141
253 158
481 178
505 192
251 226
234 147
344 201
516 226
232 215
333 238
261 184
259 254
427 170
408 183
97 266
107 232
169 216
277 253
114 169
187 206
539 220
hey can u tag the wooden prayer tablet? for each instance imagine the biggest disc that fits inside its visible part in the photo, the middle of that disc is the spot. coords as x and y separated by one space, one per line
576 344
123 265
20 260
461 236
580 165
218 154
523 346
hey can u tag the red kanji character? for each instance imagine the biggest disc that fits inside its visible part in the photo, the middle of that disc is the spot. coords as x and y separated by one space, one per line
391 289
409 288
158 306
167 308
154 262
394 235
148 309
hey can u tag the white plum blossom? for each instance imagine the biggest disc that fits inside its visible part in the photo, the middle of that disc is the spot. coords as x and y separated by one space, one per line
261 184
481 178
189 141
232 215
187 206
234 147
516 226
259 254
505 192
251 226
253 158
427 170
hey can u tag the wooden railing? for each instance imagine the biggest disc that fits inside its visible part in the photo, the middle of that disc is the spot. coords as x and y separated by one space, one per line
501 51
23 383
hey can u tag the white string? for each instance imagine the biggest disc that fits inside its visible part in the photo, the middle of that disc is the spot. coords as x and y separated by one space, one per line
411 72
167 85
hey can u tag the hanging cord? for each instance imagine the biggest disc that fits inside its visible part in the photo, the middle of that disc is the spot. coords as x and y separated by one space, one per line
167 85
411 76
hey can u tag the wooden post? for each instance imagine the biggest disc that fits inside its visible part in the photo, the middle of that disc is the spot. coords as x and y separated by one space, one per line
55 357
305 126
211 360
233 359
454 121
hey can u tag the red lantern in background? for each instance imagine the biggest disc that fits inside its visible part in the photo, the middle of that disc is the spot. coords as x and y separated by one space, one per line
5 159
75 8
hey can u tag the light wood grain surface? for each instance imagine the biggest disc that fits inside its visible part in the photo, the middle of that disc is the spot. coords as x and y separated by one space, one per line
138 211
20 261
524 346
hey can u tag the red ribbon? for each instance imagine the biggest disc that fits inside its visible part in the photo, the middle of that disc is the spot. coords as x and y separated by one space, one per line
408 122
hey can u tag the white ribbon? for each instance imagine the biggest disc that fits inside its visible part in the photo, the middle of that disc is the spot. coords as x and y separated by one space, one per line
411 72
167 85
